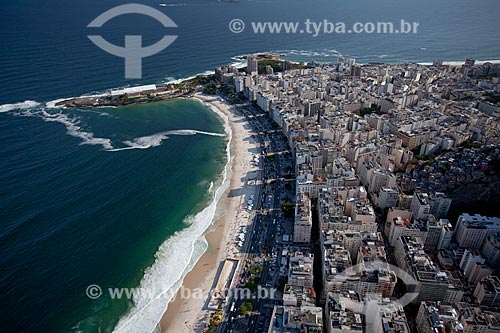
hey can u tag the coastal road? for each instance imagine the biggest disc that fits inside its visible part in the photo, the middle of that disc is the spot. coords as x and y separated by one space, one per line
250 246
265 241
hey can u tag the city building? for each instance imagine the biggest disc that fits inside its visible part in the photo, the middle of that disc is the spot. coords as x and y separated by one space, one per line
487 292
434 317
341 316
290 319
446 237
431 283
302 226
439 205
472 230
388 198
301 269
350 129
420 205
491 249
479 271
475 319
389 316
252 65
294 295
469 260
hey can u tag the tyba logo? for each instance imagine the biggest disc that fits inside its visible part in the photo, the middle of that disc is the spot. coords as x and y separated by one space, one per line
133 51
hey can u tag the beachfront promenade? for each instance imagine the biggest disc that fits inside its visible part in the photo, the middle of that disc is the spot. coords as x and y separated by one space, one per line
224 237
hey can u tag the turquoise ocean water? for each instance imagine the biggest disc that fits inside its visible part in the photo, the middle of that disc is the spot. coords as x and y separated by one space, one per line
114 197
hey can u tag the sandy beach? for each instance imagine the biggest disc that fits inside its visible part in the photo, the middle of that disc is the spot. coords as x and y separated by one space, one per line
189 315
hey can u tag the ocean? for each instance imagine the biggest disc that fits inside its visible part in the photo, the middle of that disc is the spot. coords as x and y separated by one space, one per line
120 197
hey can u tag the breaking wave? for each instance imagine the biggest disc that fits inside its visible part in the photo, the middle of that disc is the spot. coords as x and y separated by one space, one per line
73 128
155 140
18 106
178 255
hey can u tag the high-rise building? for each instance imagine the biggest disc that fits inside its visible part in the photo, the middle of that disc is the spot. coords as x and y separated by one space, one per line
300 272
379 179
382 280
350 61
287 65
404 227
487 292
434 228
475 319
394 213
433 317
388 198
472 230
420 205
356 71
296 319
469 259
456 288
491 249
239 84
298 296
363 278
252 65
311 108
389 316
446 234
439 205
219 73
432 284
479 271
341 317
302 226
348 313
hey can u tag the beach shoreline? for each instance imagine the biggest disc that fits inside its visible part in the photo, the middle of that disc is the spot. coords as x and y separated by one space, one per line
190 314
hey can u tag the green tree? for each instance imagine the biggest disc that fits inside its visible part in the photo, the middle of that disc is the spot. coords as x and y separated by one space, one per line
246 307
210 89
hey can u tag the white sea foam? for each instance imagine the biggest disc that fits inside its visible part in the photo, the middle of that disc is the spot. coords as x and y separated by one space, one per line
460 63
310 53
156 139
171 80
76 131
239 61
478 62
73 128
18 106
174 259
29 109
334 53
52 104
